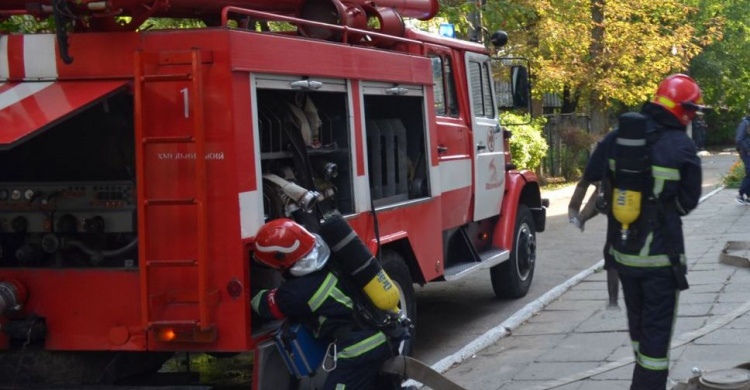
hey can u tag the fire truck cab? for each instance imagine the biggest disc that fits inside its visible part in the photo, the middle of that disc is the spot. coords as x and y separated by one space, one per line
137 165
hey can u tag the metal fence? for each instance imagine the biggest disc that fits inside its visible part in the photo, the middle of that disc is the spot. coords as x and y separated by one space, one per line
558 154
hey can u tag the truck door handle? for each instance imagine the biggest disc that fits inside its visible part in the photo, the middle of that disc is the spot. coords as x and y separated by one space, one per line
442 149
396 91
480 147
306 84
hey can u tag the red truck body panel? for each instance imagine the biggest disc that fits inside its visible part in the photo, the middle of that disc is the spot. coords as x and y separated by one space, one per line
119 308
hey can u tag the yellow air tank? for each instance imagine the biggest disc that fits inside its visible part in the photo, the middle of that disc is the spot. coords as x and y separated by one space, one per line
626 207
383 292
351 256
632 169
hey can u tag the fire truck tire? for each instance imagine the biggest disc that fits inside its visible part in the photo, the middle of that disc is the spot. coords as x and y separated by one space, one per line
395 266
512 279
34 367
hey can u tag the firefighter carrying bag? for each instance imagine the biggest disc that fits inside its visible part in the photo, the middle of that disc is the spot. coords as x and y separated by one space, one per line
302 352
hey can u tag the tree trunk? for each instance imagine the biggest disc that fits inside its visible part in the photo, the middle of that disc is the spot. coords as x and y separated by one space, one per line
570 102
597 30
537 107
597 106
598 115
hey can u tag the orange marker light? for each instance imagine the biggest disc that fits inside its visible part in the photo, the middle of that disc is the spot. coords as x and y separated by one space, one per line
184 333
166 335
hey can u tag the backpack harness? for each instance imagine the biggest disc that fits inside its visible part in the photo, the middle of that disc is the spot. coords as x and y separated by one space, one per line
636 188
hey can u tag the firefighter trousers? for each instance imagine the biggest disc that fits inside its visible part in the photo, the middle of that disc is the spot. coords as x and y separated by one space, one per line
651 298
360 368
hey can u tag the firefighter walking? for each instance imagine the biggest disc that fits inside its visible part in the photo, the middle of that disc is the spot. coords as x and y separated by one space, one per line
655 177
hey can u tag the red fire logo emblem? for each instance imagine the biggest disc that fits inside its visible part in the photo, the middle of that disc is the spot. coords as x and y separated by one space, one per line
494 180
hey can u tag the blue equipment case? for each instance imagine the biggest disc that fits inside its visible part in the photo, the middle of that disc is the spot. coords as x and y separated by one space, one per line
302 353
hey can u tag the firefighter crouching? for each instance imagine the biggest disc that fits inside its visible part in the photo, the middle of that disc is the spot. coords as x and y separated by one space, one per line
655 178
319 299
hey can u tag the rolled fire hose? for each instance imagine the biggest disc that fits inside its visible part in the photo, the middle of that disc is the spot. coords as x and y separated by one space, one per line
739 261
737 378
589 210
12 296
98 255
304 198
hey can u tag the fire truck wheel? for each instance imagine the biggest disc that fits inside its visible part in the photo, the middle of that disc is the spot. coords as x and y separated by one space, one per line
512 278
396 268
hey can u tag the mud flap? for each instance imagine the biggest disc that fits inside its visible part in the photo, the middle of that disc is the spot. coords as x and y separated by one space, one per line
411 368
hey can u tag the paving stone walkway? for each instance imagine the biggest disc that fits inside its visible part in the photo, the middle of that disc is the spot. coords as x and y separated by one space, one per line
577 336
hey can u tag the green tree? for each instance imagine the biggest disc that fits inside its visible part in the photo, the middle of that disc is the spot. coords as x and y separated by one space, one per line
170 23
722 68
527 144
26 24
596 53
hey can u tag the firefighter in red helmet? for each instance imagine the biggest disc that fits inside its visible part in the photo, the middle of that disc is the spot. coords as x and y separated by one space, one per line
650 153
680 96
315 297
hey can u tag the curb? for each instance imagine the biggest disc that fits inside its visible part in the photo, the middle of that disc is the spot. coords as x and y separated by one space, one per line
532 308
515 320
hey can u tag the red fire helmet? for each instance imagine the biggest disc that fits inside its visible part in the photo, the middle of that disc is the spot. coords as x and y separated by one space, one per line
681 96
281 243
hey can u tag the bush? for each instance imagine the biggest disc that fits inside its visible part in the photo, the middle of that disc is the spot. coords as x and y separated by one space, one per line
576 145
527 144
734 177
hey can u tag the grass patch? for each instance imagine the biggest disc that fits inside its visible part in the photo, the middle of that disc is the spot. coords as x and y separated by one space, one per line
226 370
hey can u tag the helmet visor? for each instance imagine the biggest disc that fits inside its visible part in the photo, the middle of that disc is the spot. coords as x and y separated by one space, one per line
314 260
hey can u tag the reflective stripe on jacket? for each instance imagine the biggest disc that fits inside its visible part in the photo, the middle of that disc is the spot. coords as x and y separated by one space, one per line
320 302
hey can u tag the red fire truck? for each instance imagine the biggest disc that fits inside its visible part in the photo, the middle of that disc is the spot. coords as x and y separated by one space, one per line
136 166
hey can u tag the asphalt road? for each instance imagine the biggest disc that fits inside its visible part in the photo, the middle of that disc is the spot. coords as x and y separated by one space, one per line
450 315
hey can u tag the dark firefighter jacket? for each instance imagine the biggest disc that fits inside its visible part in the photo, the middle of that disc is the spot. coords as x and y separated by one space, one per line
320 302
676 171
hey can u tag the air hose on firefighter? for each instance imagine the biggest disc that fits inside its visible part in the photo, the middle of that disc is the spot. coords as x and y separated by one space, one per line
631 170
353 258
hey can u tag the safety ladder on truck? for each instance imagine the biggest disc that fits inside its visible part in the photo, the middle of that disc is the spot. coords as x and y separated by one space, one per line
193 330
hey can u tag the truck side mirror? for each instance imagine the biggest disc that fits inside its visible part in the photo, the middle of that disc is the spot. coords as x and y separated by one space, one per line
512 86
520 87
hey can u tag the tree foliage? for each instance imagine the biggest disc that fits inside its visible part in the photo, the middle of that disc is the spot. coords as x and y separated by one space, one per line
616 59
171 23
596 54
26 24
527 144
722 69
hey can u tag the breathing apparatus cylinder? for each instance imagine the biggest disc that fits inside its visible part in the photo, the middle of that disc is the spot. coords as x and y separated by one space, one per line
352 257
626 207
631 170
